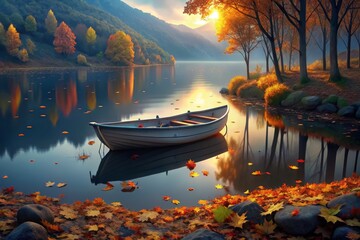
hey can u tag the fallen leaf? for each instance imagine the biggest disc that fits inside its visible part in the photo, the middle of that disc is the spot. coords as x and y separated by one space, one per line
191 189
237 221
300 160
194 174
92 213
128 186
221 213
5 177
83 156
247 192
293 167
219 186
273 208
250 164
49 184
68 236
98 201
353 222
21 135
108 215
202 202
92 142
65 132
205 172
42 107
108 187
176 202
116 204
8 190
68 213
60 185
29 127
329 214
93 228
295 212
267 227
166 198
148 215
256 173
190 164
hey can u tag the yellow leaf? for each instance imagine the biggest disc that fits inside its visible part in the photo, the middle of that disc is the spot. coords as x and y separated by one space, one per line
293 167
197 209
68 213
60 185
176 202
92 213
273 208
353 222
267 227
116 204
108 215
93 228
329 214
247 192
148 215
238 221
219 186
49 184
202 202
67 236
194 174
256 173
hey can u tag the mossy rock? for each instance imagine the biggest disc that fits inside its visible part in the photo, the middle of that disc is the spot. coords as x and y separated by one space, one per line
293 99
331 99
341 102
310 102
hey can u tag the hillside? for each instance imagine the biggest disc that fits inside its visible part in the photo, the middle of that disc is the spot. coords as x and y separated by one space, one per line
78 15
184 45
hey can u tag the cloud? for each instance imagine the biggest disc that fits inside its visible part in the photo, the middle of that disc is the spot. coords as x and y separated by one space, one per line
169 11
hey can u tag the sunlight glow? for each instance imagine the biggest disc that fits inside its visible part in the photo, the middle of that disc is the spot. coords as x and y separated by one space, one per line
214 15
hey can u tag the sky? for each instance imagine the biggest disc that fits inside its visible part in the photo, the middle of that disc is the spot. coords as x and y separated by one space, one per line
170 11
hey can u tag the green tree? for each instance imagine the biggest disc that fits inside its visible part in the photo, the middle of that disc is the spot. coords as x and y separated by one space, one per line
64 41
120 48
30 24
50 22
30 46
13 41
2 34
90 36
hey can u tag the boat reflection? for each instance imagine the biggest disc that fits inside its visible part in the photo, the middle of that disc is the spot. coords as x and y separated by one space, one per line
135 163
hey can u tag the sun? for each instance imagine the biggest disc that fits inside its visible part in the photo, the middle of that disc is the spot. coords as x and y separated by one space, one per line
214 15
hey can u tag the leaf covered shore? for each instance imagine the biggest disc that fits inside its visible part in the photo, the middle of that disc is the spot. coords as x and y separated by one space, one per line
96 219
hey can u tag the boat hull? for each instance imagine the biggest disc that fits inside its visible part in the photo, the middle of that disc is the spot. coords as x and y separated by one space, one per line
129 135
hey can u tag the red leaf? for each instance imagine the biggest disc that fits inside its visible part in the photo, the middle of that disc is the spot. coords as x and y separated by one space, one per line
190 164
8 190
295 212
300 160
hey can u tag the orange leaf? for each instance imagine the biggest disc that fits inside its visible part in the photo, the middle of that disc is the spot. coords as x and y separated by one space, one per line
298 181
65 132
166 198
5 177
202 202
190 164
205 172
193 174
98 201
191 189
256 173
92 142
176 202
42 107
300 160
295 212
108 187
21 135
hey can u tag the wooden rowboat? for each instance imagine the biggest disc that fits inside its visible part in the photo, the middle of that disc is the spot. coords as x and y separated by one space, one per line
131 164
159 132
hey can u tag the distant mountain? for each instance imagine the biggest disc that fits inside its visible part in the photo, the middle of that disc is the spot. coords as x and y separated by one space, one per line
180 41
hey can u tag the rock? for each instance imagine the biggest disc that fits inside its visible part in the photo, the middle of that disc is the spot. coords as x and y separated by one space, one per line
356 105
357 114
331 99
293 99
310 102
348 111
204 234
28 231
341 102
224 91
252 209
327 108
341 233
34 213
302 224
350 203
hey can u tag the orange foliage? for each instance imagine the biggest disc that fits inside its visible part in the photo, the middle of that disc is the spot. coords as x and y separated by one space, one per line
13 41
64 41
267 81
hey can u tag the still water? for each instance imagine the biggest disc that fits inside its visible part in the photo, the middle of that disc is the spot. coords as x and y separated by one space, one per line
44 130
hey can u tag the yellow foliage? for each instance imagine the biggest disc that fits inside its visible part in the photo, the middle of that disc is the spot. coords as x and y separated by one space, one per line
267 81
235 83
275 94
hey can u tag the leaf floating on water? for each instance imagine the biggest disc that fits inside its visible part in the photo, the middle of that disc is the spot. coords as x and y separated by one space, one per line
193 174
92 142
256 173
219 186
60 185
83 156
148 215
176 202
21 135
203 202
300 160
247 192
42 107
293 167
190 164
298 181
49 184
166 198
87 112
65 132
29 127
43 115
108 187
116 204
205 172
128 186
191 189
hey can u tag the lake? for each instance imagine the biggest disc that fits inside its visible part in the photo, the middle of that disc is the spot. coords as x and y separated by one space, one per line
44 132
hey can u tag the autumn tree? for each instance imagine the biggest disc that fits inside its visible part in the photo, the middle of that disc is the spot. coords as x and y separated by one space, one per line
120 48
335 15
50 22
64 41
13 41
349 27
90 36
30 46
241 34
30 24
2 34
23 55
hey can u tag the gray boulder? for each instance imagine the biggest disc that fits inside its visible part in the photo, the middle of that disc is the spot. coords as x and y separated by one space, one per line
224 91
305 222
349 202
204 234
331 99
310 102
327 108
293 99
341 233
34 213
252 209
348 111
28 231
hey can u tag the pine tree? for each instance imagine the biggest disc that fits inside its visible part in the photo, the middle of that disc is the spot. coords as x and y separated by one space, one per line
13 41
64 41
50 22
30 46
30 24
90 36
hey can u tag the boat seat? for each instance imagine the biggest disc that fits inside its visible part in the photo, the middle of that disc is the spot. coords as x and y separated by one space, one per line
203 117
180 123
191 121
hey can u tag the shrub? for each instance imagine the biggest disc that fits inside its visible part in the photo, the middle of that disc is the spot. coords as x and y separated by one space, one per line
250 90
81 59
267 81
235 83
275 94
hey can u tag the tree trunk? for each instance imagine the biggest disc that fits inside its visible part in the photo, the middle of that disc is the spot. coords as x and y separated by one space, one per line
281 60
247 61
334 27
268 56
275 60
324 32
348 51
302 43
290 57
